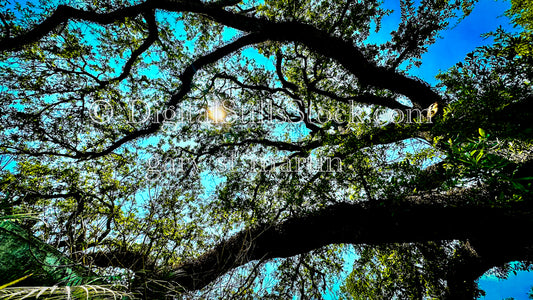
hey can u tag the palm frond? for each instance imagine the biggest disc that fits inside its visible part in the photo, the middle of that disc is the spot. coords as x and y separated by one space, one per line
89 291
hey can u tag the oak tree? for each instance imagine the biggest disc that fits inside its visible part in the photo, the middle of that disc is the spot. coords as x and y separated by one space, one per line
254 149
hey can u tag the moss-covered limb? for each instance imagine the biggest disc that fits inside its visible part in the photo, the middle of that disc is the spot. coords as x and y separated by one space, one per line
429 216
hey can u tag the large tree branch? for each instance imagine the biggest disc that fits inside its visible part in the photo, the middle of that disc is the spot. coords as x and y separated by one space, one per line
65 13
320 41
342 51
417 218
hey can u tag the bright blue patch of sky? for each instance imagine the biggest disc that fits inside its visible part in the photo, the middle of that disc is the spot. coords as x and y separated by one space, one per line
455 43
516 286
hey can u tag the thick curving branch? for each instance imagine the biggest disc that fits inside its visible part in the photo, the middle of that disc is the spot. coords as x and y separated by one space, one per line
420 218
320 41
65 13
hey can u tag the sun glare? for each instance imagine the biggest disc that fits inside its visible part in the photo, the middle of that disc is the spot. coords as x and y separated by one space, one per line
216 113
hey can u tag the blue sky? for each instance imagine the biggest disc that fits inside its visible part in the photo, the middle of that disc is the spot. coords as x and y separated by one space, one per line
457 41
516 286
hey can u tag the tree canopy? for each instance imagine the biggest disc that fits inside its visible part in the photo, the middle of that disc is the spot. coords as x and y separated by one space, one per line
259 149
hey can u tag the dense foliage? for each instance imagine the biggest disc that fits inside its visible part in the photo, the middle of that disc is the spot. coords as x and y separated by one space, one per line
256 149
